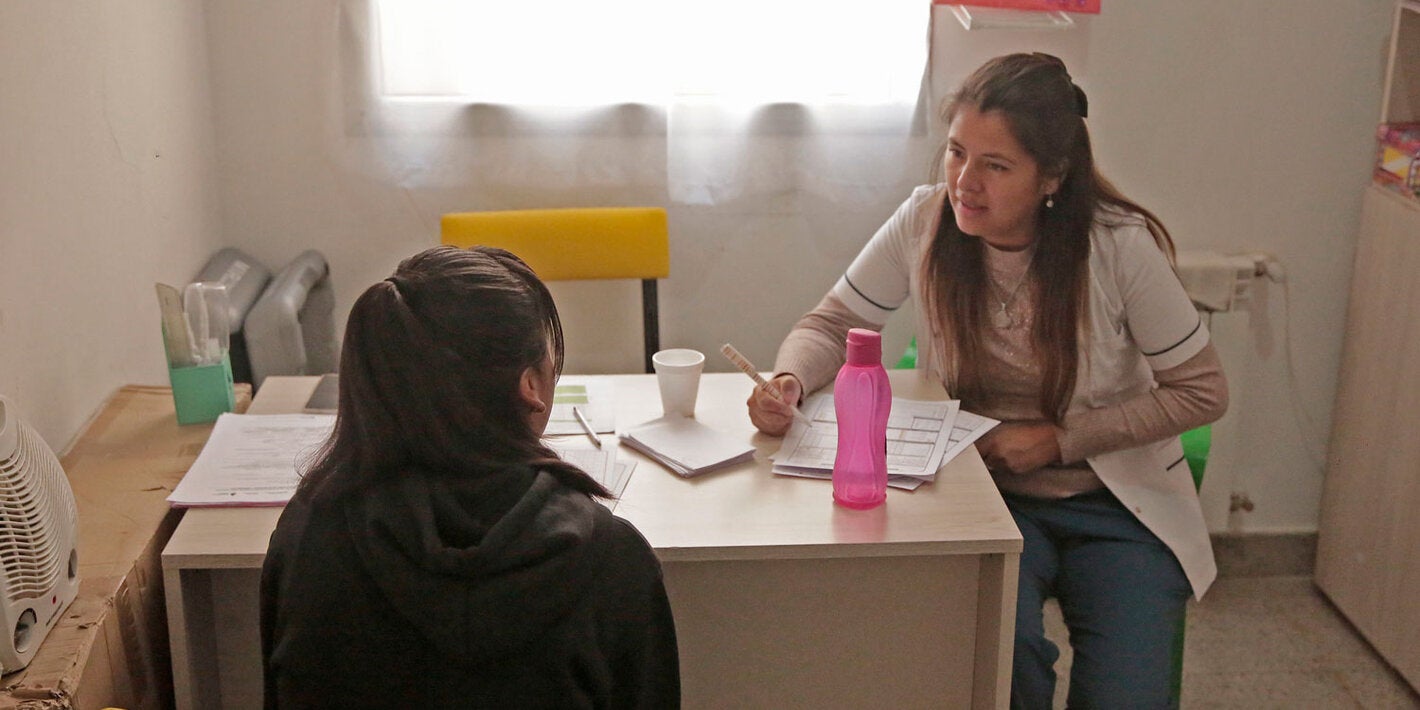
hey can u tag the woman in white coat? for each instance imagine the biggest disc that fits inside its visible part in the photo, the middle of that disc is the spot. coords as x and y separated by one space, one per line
1048 301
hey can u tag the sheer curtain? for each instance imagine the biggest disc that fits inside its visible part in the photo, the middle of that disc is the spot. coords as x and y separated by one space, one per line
779 134
514 104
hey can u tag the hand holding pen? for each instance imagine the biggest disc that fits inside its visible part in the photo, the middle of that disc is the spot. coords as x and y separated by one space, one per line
771 404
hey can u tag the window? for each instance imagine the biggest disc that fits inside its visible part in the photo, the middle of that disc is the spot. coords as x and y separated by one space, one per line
588 52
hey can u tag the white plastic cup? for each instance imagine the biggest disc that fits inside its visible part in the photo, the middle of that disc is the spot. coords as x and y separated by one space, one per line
678 376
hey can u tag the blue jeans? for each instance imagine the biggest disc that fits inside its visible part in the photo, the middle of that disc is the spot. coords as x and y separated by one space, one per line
1121 591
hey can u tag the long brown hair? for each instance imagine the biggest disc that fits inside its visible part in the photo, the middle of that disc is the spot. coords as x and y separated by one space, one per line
1045 112
430 369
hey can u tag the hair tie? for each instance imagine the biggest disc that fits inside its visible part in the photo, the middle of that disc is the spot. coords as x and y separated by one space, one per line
399 283
1082 104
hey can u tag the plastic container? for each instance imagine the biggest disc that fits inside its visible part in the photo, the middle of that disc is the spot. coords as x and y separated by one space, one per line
862 399
207 309
245 279
201 393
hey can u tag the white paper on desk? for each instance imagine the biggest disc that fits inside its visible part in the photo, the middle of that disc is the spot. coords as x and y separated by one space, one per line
686 446
596 399
919 438
252 460
601 464
966 429
906 483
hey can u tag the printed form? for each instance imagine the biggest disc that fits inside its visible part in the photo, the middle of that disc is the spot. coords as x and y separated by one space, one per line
252 459
922 435
601 464
256 459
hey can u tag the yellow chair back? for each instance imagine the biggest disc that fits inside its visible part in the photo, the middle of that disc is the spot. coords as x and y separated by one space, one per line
579 244
572 244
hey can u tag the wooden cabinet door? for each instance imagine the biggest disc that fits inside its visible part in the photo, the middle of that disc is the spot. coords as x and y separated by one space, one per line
1368 554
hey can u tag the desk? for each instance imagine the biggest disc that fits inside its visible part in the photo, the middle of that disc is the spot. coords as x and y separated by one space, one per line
781 598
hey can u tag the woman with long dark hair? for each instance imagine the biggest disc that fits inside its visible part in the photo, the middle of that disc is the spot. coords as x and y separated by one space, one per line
1047 300
437 554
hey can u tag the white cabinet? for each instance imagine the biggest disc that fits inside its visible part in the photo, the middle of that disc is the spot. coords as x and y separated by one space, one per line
1368 552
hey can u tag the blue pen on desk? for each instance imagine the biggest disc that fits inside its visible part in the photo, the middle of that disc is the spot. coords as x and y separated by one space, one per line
748 368
587 427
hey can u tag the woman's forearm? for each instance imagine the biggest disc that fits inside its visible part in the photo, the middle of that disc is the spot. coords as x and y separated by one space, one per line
814 350
1189 395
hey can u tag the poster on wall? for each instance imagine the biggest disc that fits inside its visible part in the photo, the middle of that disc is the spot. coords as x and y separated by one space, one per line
1090 6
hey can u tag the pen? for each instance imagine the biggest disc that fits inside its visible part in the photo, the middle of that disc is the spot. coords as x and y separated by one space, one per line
748 368
586 427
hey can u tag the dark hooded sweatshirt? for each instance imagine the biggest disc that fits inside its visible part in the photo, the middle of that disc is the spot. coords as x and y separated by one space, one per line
506 591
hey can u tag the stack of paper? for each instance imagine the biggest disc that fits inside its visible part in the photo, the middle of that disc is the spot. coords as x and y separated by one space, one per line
686 446
252 459
921 437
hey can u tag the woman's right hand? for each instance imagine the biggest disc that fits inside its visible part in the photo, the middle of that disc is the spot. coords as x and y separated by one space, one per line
770 415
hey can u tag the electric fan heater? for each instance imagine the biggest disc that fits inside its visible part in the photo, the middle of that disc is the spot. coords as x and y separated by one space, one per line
38 561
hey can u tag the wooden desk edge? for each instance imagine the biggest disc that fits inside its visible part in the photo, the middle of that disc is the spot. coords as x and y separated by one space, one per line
996 546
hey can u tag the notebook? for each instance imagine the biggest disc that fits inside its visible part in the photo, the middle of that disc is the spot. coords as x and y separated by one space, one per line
686 446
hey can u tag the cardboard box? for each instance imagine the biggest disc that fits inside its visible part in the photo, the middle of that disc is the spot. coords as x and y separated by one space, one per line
111 646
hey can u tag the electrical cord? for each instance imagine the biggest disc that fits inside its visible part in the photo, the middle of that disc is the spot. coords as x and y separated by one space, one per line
1306 426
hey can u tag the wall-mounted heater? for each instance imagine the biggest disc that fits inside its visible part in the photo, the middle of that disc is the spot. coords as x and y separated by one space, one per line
38 534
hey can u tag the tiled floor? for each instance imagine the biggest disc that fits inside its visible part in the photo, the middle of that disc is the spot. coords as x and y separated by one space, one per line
1272 642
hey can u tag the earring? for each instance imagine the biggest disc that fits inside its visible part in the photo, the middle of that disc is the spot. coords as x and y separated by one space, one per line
1049 201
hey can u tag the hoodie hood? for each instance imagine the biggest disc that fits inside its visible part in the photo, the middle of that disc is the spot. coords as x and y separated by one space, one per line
480 565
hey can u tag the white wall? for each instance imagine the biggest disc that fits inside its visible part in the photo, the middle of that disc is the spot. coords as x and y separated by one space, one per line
1243 131
1248 127
1245 125
108 185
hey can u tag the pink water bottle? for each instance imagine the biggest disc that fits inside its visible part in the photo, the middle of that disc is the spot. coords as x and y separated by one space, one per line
862 398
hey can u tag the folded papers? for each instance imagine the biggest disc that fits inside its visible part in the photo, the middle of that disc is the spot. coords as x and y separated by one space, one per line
922 435
686 446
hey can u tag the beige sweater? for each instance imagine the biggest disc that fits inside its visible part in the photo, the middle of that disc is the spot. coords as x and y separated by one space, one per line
1189 394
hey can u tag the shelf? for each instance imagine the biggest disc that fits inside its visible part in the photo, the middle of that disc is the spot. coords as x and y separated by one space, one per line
1411 203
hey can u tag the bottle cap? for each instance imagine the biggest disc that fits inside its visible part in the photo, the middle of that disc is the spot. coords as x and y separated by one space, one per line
865 347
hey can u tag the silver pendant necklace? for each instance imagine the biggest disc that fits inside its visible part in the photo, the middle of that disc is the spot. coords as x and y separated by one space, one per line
1001 317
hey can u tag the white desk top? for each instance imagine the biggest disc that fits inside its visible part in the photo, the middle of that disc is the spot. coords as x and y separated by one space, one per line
740 512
